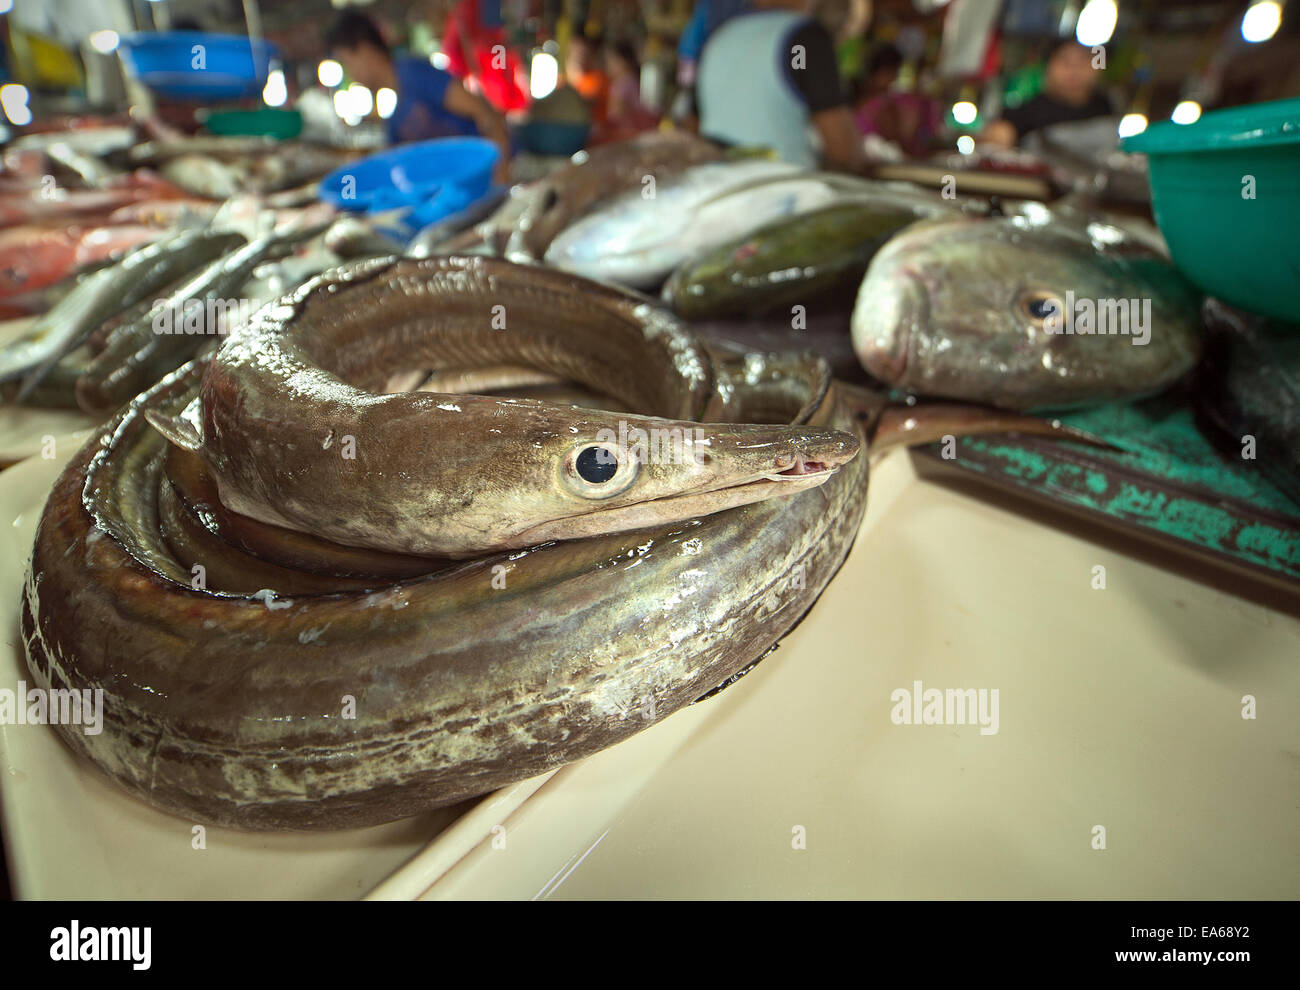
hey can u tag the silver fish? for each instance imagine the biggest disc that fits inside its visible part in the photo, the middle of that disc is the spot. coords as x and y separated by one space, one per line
105 292
1021 316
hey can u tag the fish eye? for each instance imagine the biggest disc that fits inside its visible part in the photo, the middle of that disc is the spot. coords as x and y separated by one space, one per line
598 469
1040 305
596 465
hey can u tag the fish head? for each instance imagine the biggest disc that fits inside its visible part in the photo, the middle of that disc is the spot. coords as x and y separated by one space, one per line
986 310
572 472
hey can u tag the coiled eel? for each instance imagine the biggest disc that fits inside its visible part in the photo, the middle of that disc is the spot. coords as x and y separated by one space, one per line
327 673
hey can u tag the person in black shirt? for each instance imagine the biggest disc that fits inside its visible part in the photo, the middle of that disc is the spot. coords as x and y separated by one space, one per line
1069 94
770 78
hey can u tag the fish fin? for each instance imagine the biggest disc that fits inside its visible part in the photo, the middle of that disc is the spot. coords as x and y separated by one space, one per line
912 426
177 431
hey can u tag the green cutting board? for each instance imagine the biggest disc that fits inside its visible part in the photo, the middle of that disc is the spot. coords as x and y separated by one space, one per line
1168 482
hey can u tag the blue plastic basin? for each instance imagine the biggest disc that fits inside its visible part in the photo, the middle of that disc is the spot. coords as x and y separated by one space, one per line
432 179
193 65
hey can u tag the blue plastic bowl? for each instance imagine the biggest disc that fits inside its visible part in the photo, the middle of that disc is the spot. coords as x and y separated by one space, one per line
193 65
431 179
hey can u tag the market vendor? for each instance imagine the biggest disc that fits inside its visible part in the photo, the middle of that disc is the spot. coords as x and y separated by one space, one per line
770 78
1069 94
431 103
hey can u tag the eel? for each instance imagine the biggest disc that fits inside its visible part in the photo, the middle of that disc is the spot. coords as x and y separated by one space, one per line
291 638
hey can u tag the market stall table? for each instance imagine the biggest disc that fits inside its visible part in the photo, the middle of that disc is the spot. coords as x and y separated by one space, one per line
1118 707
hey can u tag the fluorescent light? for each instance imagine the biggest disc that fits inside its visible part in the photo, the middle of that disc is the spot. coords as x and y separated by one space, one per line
104 41
13 98
543 74
274 93
1132 123
964 112
330 73
1096 22
6 6
1261 21
965 144
385 102
1187 112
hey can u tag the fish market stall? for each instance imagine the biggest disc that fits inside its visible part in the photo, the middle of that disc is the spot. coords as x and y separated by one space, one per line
557 452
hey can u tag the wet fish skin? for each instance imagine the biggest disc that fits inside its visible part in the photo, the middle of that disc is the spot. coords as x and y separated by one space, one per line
215 146
349 237
431 239
136 355
1249 385
103 293
598 175
947 309
792 260
58 390
70 322
460 687
301 381
637 241
200 175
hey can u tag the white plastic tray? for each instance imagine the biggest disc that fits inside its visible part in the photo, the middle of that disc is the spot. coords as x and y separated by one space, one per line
1118 707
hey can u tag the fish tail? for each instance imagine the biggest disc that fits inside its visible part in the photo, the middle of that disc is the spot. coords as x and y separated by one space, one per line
913 426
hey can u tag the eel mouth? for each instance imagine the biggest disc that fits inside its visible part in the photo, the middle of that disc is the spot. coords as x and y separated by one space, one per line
800 476
803 467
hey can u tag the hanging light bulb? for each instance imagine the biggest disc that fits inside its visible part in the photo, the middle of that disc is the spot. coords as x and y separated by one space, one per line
104 42
275 92
1132 123
544 74
1096 22
1261 21
13 100
330 73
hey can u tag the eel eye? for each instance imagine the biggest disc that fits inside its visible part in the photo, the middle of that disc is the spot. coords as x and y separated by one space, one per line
599 469
596 465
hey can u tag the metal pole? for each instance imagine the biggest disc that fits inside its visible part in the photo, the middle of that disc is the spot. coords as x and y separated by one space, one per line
253 18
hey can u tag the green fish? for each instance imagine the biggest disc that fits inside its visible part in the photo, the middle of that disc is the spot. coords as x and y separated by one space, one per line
791 261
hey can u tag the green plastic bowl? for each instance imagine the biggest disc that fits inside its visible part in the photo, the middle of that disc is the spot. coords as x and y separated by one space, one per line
264 122
1244 250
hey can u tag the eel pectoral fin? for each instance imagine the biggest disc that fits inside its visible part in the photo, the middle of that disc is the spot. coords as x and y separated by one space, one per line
179 430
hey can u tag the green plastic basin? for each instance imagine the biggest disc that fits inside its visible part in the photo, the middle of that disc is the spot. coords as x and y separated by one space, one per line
262 122
1226 194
